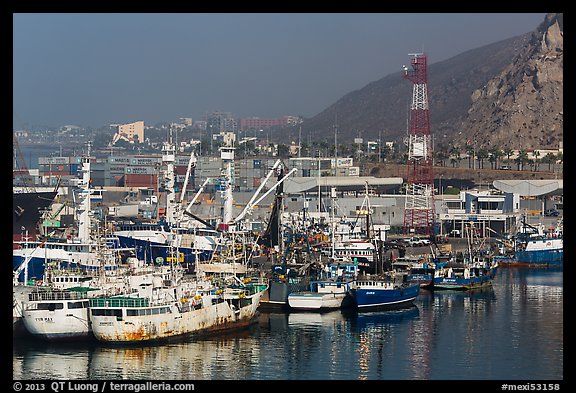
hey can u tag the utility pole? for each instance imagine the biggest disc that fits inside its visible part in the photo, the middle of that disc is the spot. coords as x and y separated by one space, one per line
336 139
379 147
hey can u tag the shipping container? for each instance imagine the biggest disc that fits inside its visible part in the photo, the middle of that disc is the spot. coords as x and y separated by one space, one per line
119 160
140 180
54 160
75 169
182 161
140 170
145 161
117 169
180 170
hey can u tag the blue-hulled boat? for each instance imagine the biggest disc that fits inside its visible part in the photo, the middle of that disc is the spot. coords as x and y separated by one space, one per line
375 293
536 247
464 276
155 242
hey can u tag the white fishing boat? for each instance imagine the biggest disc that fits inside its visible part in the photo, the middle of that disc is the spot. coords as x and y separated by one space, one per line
58 309
175 308
330 292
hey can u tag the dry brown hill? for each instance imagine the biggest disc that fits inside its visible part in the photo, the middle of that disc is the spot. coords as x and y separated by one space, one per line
508 93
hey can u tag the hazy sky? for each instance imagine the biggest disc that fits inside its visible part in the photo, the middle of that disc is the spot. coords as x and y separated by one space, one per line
94 69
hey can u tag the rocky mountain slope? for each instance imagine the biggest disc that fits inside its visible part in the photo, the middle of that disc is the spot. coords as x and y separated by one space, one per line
508 92
522 107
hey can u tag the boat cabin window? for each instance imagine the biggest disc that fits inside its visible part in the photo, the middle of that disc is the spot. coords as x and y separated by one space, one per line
108 312
50 306
73 305
147 311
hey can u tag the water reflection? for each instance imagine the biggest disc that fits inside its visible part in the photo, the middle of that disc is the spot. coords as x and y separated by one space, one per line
194 359
458 332
37 360
510 331
381 338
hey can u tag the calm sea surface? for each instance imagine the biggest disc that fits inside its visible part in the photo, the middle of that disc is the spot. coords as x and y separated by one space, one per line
513 331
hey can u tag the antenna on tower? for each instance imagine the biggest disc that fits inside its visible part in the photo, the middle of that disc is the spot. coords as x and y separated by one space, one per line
335 136
419 201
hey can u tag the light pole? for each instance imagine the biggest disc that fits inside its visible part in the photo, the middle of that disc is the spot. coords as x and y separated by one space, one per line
440 184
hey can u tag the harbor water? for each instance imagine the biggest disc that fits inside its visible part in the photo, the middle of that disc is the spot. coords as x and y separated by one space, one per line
512 331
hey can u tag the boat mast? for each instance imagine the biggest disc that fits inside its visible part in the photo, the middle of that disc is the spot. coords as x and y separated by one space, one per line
333 221
168 160
83 211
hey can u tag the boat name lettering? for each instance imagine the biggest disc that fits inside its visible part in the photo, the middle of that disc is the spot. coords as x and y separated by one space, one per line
45 319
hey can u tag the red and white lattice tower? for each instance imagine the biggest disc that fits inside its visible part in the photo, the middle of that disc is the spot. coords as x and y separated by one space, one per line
419 205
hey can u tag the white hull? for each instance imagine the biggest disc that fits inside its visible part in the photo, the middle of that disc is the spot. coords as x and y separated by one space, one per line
315 301
326 295
63 324
61 313
172 320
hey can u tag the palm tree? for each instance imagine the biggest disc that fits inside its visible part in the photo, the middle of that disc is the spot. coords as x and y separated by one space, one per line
549 159
471 154
508 151
495 154
536 155
560 158
521 159
441 157
482 154
455 153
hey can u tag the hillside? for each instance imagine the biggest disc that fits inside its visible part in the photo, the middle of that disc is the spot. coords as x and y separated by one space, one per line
507 92
522 107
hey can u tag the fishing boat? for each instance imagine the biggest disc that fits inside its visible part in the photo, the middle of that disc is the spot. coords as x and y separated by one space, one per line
476 270
178 305
58 310
56 314
329 292
80 250
361 250
288 250
417 270
153 242
386 291
180 229
175 308
534 246
474 274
